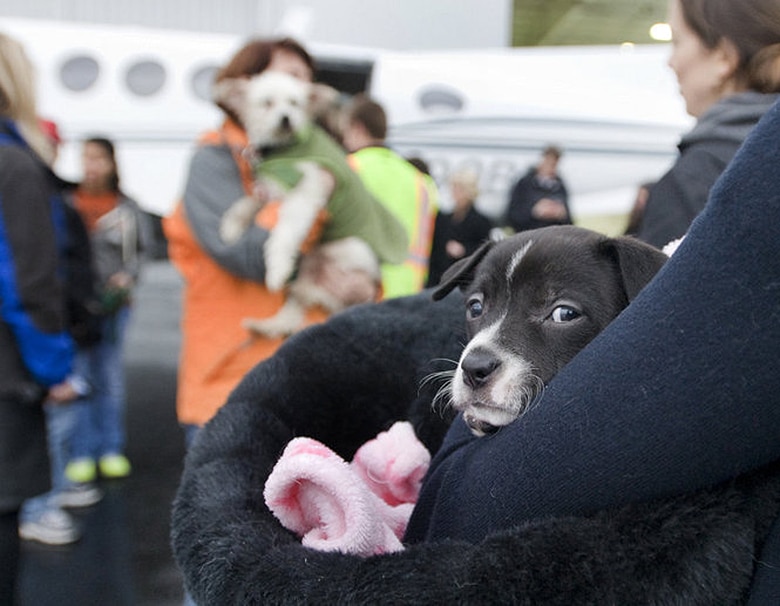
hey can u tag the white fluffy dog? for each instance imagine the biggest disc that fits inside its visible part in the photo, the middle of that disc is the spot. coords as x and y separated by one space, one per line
302 167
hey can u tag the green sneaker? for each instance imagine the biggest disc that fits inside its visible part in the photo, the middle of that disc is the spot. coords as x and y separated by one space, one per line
114 466
81 471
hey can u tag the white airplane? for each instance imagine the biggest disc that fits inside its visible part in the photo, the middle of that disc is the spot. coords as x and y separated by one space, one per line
615 111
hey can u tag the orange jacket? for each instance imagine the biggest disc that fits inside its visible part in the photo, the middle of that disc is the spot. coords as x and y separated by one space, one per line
216 350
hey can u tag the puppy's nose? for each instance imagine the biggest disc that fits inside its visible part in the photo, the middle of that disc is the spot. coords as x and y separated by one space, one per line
477 367
285 122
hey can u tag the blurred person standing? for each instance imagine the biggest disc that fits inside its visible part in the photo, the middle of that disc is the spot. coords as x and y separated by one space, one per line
36 350
118 235
540 197
461 232
224 283
408 193
43 517
726 56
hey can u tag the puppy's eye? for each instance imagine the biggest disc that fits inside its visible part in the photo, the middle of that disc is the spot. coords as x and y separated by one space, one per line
564 313
474 307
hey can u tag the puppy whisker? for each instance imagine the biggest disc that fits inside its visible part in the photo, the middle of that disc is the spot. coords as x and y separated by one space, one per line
531 394
443 395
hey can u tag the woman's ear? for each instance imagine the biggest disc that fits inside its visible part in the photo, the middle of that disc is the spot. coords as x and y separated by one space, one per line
728 62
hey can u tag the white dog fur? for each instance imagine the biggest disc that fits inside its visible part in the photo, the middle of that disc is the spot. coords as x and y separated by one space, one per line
273 108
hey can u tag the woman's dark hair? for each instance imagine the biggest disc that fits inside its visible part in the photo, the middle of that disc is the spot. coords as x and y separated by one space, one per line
108 148
752 26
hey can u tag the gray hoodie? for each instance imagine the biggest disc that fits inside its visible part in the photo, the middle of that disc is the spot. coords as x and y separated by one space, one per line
680 195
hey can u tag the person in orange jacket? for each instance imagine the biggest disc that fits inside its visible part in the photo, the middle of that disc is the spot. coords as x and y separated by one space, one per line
224 283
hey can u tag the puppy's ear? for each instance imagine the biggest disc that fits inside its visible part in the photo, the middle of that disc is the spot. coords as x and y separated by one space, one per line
461 273
231 93
638 262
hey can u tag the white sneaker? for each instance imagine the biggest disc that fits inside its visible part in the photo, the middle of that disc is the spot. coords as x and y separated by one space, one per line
53 527
78 495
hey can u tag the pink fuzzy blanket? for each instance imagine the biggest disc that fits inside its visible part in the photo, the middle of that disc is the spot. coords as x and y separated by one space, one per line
360 507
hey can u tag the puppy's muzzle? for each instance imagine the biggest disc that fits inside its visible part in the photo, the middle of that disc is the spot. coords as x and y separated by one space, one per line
478 366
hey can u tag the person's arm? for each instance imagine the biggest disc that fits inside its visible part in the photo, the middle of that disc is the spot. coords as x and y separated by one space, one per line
565 199
138 237
520 205
475 230
213 184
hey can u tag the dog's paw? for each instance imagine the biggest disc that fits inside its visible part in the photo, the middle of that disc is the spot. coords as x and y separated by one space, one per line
237 219
280 263
270 328
230 230
277 275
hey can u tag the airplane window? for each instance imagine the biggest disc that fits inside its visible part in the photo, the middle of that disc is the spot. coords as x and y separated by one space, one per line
202 81
437 99
145 78
79 73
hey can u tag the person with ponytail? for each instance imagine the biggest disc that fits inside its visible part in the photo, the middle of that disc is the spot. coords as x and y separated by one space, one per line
726 56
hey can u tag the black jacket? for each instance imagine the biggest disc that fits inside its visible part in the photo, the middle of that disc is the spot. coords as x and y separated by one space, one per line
471 231
526 193
35 347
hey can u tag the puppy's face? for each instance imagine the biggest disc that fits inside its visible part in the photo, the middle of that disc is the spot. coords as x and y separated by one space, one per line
273 106
532 302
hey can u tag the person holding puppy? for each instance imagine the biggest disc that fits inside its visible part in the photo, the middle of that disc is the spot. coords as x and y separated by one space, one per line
224 282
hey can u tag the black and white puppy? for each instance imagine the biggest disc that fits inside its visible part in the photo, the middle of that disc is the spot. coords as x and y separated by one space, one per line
532 302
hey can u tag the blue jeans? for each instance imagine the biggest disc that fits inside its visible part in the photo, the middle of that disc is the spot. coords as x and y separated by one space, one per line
60 423
100 421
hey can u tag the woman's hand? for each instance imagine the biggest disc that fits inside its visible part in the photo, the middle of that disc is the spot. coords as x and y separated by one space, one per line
62 393
121 280
549 209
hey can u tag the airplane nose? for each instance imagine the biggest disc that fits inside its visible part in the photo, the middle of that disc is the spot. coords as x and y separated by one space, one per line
477 367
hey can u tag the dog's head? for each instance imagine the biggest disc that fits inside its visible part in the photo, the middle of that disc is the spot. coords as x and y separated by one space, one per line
532 302
272 106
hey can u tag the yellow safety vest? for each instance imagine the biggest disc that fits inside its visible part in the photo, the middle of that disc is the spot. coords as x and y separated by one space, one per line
412 197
